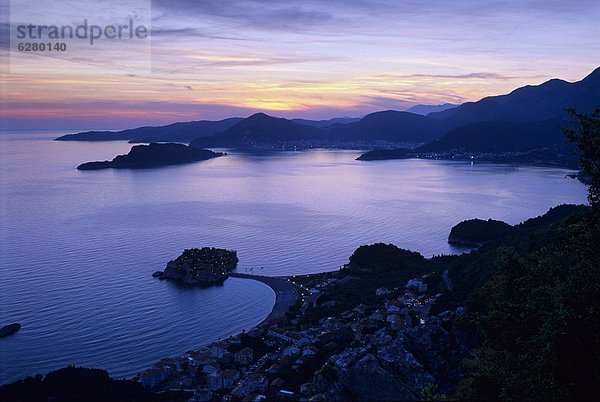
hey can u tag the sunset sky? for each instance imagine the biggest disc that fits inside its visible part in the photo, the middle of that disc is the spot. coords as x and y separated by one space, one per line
212 59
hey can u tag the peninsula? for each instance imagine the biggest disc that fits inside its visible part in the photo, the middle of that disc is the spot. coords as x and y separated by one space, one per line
200 267
154 155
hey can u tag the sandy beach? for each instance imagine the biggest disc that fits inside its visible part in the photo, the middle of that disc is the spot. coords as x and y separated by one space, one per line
285 294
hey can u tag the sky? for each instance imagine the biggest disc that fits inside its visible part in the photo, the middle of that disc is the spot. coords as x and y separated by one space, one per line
317 59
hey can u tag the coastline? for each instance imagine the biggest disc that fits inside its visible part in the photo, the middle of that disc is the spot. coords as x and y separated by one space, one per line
285 294
482 160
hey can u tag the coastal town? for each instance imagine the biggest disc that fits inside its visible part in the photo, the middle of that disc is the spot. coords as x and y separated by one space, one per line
291 357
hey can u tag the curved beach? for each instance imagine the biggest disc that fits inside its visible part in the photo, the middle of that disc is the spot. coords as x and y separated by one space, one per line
285 294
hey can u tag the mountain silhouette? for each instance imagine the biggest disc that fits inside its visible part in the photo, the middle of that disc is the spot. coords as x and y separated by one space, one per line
390 125
528 103
326 123
528 117
260 128
176 132
424 110
500 136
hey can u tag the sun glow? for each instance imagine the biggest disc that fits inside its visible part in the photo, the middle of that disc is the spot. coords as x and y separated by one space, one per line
210 65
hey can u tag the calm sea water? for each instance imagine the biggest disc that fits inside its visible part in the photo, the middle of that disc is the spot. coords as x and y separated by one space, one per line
77 249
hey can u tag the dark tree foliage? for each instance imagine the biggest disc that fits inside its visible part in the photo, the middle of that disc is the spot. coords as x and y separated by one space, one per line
539 318
585 133
381 257
539 314
479 231
72 384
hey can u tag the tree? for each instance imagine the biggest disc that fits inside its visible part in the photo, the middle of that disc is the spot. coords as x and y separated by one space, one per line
585 134
539 321
538 317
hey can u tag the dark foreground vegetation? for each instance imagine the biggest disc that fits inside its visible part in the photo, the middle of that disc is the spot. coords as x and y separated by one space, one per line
74 384
477 231
538 316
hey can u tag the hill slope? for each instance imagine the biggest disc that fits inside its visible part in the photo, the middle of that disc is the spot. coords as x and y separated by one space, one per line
176 132
528 103
260 129
500 136
424 110
390 125
326 123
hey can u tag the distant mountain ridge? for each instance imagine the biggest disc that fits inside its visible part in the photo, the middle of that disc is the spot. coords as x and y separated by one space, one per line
524 126
326 123
424 110
529 103
176 132
259 129
391 126
528 118
182 131
388 126
500 136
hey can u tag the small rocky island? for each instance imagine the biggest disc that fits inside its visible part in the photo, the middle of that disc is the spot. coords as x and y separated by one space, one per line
9 329
154 155
206 266
475 232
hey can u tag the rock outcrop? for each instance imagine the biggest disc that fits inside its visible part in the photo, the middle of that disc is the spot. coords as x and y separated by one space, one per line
9 329
200 267
396 365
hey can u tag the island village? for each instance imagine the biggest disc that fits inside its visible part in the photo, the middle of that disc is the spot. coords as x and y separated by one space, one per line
295 356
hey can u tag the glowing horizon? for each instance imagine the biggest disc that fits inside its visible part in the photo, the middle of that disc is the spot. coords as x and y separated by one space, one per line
213 60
